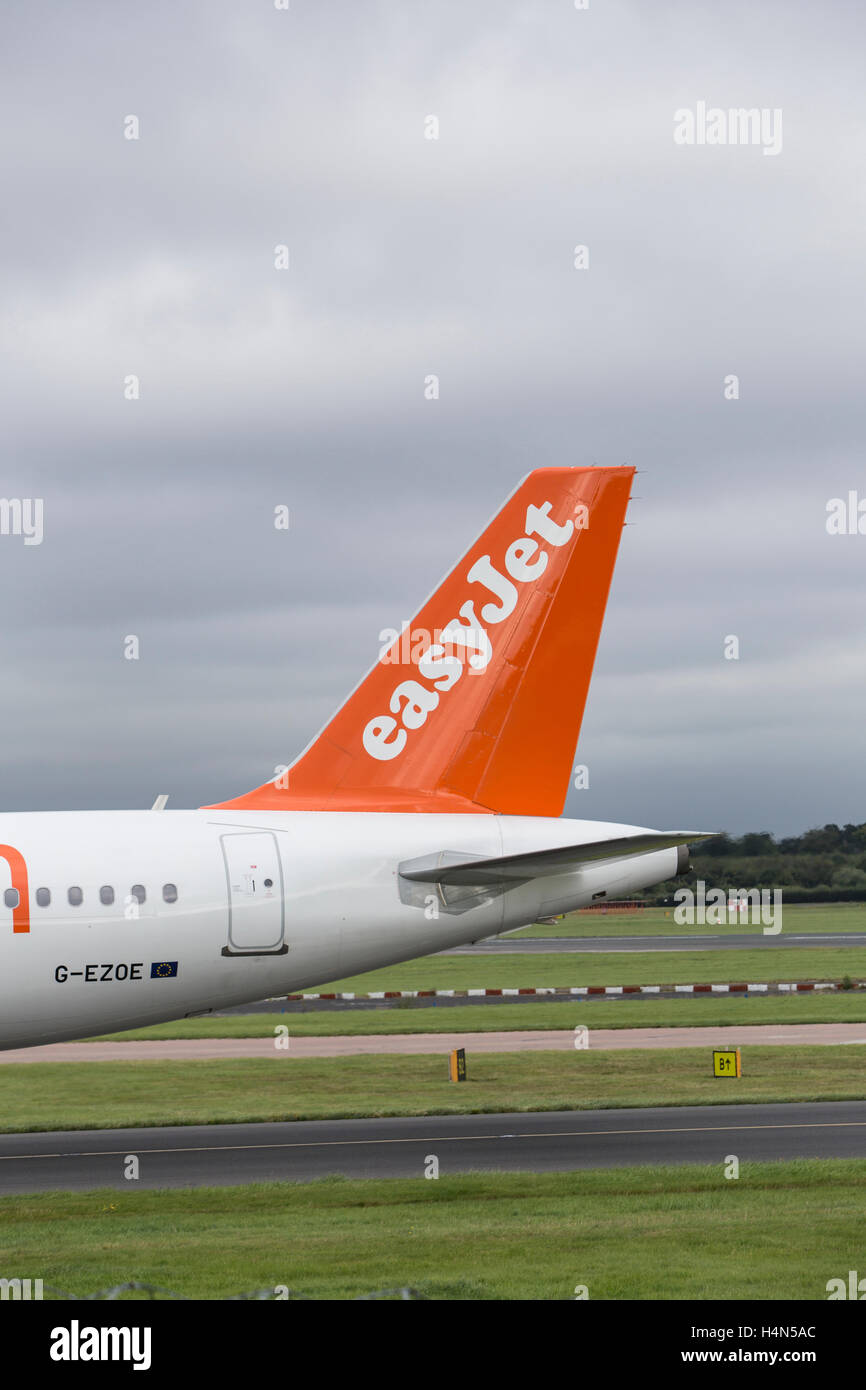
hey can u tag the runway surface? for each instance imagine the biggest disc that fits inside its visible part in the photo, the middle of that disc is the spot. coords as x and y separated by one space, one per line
413 1044
218 1155
644 945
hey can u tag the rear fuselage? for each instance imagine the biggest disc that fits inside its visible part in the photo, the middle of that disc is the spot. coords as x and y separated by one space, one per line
113 920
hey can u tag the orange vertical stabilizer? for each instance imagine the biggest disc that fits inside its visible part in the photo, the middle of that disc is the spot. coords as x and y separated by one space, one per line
477 705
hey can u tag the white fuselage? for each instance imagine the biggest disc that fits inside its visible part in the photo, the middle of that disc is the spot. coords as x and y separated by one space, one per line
266 903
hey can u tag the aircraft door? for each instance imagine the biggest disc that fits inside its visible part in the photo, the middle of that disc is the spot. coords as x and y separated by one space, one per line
254 878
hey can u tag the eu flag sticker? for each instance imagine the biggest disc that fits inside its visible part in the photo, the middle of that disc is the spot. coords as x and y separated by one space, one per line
163 969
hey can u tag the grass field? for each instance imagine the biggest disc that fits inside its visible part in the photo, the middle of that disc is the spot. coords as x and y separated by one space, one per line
688 1012
659 921
104 1095
780 1231
760 965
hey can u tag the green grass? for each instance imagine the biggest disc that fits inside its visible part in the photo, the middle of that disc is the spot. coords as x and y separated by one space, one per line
688 1012
780 1231
103 1095
760 965
659 921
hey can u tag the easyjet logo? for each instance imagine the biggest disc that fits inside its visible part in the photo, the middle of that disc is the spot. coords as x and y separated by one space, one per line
411 702
19 890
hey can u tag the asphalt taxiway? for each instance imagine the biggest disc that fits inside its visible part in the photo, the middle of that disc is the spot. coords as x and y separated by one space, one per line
221 1155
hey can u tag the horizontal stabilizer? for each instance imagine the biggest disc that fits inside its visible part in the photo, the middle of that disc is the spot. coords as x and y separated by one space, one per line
457 870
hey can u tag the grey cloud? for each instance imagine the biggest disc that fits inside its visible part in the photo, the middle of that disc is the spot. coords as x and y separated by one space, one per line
410 257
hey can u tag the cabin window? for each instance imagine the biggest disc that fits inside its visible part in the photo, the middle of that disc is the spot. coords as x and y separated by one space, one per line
43 896
106 894
75 897
169 892
137 892
11 897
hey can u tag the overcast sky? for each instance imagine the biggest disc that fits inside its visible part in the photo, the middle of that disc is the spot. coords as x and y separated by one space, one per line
411 256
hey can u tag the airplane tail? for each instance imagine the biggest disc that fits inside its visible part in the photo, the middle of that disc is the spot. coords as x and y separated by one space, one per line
477 705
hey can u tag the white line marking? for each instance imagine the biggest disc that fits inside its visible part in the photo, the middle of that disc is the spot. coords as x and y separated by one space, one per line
442 1139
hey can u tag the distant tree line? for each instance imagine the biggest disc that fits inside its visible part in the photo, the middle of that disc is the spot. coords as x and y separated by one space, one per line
826 865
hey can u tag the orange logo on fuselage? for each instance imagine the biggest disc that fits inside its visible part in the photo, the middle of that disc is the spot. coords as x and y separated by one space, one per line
18 869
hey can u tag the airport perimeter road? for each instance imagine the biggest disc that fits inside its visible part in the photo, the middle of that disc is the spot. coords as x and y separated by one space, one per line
418 1044
642 945
415 1044
219 1155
